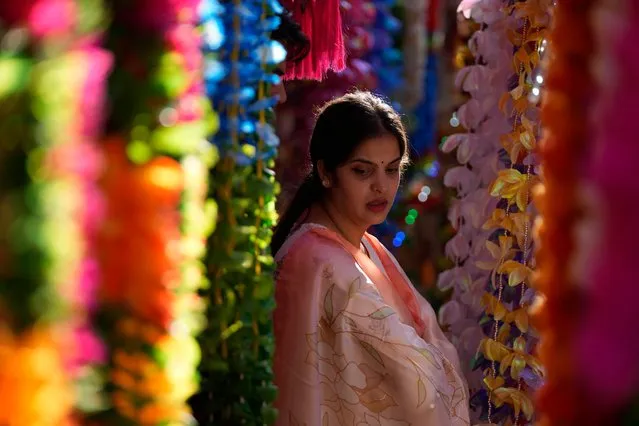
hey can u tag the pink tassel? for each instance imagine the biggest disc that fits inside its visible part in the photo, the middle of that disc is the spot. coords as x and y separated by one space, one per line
321 21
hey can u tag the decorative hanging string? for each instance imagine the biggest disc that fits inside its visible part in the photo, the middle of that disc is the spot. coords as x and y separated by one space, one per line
610 374
50 111
416 52
567 138
385 56
509 349
478 153
237 377
156 222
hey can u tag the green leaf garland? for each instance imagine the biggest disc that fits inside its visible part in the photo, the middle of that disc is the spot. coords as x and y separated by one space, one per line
238 343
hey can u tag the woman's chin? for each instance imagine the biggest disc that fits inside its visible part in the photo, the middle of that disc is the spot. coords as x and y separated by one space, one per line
376 218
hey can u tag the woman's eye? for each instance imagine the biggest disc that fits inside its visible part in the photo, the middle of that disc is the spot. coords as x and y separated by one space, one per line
392 171
360 172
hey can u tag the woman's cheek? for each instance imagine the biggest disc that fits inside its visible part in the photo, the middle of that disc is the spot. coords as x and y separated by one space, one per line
395 180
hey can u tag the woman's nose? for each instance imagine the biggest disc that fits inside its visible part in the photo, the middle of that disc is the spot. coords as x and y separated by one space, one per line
379 183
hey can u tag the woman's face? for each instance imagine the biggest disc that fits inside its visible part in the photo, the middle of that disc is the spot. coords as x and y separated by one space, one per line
363 189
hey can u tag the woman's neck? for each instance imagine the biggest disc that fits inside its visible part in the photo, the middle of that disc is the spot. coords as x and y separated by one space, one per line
325 214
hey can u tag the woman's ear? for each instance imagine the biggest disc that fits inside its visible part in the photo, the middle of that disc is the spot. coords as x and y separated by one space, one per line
323 174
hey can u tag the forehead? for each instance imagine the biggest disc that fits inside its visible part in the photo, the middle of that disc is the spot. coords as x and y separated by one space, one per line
379 149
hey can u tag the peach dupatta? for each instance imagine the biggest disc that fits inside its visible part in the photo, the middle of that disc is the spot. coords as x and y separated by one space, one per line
356 345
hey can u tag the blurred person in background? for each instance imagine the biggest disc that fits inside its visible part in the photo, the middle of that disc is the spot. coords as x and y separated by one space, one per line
297 46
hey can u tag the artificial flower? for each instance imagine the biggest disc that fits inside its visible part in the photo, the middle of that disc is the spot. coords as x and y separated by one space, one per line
512 265
153 239
65 84
34 389
477 151
49 18
140 272
611 285
520 402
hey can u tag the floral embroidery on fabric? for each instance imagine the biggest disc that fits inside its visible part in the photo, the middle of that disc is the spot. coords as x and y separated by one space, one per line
351 379
356 345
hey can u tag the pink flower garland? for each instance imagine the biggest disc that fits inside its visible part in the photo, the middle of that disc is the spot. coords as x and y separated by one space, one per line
608 343
160 15
74 159
70 167
44 18
86 163
478 155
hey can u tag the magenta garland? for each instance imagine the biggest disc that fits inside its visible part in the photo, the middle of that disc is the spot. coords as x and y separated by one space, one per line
610 193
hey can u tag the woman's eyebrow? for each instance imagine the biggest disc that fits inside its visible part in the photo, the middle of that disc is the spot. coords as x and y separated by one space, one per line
365 161
362 160
396 160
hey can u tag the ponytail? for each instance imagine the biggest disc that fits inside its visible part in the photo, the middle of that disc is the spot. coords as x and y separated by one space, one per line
309 191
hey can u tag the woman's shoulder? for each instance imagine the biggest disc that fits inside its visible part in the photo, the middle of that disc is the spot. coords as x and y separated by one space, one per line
372 242
312 244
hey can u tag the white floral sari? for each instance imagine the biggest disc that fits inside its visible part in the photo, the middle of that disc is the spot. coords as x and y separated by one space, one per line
355 343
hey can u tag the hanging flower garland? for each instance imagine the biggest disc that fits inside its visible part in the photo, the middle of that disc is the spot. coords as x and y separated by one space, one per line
610 278
422 47
158 218
416 53
510 367
563 150
478 155
238 342
384 56
50 110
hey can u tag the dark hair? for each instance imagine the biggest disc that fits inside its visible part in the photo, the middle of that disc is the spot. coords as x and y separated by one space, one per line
290 34
341 126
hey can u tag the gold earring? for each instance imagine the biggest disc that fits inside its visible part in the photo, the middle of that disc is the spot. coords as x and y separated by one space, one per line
326 183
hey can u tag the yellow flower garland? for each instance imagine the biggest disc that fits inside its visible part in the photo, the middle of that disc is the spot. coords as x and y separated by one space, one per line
508 348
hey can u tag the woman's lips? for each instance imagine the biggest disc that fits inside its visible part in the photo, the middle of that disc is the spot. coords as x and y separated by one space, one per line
377 206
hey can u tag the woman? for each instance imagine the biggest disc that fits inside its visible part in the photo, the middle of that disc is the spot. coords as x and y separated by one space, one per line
355 343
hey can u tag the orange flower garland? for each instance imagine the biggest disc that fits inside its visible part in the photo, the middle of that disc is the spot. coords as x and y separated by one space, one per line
568 87
140 238
157 218
33 387
150 388
151 366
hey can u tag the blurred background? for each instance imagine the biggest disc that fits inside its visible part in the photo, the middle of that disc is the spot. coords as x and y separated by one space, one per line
147 147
